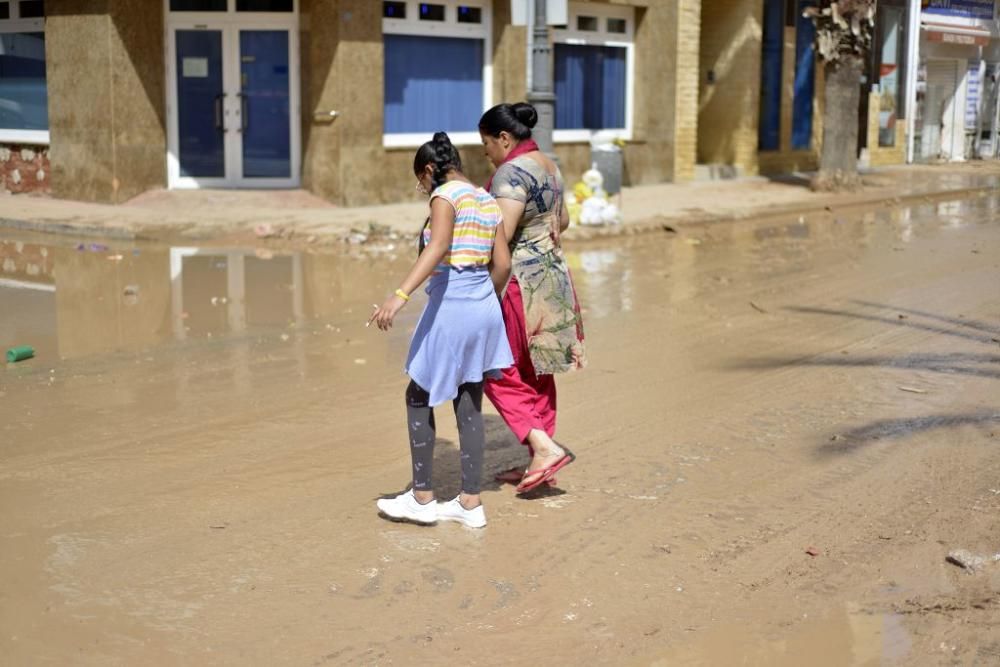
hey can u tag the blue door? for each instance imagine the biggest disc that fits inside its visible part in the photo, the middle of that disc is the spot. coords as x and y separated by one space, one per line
265 104
200 104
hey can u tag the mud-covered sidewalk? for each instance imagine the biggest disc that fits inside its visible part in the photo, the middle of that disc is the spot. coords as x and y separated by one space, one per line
294 217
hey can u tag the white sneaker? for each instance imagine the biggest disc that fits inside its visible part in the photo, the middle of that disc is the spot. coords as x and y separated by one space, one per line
453 511
407 508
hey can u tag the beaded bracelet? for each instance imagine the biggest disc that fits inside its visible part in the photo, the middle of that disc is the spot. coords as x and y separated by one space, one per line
402 295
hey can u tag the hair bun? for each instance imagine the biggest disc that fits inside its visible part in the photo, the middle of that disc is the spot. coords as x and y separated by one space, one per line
441 138
525 113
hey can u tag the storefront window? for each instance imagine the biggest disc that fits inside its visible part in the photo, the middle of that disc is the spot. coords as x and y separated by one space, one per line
434 52
890 73
592 71
804 89
590 87
24 108
769 130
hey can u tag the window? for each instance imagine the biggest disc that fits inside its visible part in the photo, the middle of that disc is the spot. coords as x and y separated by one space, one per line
769 130
593 72
24 105
804 87
889 57
285 6
435 52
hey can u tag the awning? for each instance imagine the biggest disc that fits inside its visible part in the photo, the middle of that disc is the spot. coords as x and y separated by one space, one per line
953 34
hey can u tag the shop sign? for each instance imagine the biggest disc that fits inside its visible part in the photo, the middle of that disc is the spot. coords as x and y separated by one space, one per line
964 39
969 9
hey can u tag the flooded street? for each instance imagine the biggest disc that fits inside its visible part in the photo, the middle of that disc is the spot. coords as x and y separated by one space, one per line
190 463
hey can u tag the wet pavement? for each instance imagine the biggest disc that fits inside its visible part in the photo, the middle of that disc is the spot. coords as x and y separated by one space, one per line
188 466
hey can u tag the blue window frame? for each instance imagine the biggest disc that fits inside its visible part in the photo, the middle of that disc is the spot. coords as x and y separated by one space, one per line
432 83
590 87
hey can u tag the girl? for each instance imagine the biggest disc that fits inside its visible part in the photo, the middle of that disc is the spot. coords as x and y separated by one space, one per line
460 338
540 308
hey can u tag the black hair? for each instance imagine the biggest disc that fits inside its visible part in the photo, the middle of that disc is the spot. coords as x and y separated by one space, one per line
440 152
515 119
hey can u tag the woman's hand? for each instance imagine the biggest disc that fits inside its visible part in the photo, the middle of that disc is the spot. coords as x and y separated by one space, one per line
384 314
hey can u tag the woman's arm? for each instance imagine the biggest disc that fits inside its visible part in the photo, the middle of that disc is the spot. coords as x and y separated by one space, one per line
500 262
442 228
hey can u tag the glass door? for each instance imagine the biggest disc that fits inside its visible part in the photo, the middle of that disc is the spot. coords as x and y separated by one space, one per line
233 103
265 105
200 104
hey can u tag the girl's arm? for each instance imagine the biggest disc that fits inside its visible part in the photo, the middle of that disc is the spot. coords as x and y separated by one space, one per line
512 210
442 228
500 262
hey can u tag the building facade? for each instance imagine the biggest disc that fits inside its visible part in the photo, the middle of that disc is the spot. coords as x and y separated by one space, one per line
101 100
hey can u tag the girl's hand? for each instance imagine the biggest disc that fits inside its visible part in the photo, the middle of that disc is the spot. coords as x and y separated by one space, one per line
384 315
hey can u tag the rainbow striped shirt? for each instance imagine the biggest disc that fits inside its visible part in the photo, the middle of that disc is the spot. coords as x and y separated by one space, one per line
476 218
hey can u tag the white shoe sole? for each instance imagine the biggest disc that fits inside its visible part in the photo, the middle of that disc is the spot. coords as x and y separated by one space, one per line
406 517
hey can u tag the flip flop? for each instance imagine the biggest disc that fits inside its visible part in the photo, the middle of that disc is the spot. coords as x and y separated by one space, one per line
515 475
546 474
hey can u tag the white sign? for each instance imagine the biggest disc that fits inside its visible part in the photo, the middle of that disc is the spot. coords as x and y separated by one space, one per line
556 11
195 68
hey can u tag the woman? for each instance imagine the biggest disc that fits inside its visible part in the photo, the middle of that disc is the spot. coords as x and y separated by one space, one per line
460 339
540 308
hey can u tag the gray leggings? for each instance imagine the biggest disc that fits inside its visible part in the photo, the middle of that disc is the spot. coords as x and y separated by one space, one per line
471 434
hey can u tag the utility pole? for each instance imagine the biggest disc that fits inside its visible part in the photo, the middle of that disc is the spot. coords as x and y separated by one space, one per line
541 95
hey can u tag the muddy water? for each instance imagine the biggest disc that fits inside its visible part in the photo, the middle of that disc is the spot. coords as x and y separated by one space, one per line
188 467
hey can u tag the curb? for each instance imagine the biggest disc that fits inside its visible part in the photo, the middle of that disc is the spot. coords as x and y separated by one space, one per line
657 223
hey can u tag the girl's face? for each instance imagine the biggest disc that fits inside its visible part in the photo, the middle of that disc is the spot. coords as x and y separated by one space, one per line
425 180
497 148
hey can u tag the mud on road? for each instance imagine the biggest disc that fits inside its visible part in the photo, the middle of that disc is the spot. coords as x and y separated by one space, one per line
786 427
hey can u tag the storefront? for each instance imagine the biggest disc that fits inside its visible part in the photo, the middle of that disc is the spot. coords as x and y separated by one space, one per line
882 126
328 95
955 90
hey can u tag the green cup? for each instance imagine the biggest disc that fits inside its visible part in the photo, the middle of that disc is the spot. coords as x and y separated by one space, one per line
20 353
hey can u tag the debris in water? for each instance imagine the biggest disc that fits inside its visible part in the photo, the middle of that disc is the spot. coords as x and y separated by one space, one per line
966 560
361 362
757 308
20 353
285 337
219 526
130 295
912 390
812 551
115 258
902 317
693 241
669 229
263 230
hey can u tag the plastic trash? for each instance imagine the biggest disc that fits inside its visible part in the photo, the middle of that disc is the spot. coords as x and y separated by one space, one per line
20 353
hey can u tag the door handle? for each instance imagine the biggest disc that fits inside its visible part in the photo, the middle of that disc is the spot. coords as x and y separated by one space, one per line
219 124
244 121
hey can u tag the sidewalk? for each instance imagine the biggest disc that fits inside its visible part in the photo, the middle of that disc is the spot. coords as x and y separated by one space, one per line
297 217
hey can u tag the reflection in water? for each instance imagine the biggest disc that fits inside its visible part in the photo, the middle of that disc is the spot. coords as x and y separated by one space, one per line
75 299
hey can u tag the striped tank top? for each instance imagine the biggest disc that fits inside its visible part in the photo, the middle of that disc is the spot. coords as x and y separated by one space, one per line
476 218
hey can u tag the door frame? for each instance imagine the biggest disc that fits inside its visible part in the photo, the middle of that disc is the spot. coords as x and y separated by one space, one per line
230 23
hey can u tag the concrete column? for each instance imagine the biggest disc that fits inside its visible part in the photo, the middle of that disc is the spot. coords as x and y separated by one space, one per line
107 108
345 61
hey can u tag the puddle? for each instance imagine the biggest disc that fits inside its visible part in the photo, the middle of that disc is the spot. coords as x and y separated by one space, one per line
82 297
849 637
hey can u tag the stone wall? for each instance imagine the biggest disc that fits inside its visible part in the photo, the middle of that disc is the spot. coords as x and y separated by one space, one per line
24 169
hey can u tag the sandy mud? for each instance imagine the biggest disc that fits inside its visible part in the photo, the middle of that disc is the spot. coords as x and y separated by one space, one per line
786 427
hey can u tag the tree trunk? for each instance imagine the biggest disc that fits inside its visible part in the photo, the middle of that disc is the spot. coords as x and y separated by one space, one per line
838 162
